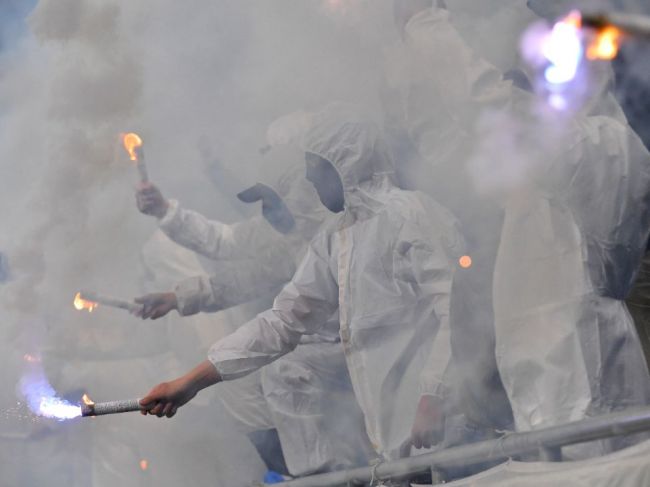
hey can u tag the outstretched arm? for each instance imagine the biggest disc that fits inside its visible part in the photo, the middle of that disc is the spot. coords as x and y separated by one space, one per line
213 239
232 284
166 398
302 307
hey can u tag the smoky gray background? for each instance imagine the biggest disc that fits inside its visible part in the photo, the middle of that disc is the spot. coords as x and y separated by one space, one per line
200 82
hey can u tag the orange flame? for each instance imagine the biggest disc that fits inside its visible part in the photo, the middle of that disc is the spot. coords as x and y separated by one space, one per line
144 465
131 142
81 304
465 262
605 44
86 400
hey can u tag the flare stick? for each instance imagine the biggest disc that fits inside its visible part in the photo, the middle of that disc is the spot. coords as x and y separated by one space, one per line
111 407
142 167
110 301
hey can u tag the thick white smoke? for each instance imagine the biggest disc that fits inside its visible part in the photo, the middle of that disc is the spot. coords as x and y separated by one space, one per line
200 82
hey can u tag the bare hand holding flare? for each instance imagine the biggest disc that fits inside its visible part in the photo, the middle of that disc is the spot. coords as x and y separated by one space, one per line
165 398
156 305
150 200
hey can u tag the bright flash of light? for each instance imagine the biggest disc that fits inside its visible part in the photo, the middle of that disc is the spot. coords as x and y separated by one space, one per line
465 262
562 47
81 304
131 143
57 408
42 399
605 44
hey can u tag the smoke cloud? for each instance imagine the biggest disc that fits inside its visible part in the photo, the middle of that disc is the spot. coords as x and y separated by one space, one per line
200 82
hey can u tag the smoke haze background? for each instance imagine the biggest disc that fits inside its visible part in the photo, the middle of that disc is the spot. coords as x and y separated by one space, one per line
200 82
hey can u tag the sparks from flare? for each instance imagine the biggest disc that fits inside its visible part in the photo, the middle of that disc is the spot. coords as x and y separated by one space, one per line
465 262
132 142
81 304
144 465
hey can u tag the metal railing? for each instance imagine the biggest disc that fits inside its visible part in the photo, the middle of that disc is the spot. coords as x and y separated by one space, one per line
547 442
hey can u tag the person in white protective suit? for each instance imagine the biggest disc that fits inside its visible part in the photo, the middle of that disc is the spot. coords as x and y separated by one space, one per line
386 263
264 247
438 94
575 229
261 254
572 241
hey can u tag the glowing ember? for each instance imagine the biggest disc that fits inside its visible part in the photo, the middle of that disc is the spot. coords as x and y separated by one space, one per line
563 49
131 143
605 45
33 359
465 262
144 465
81 304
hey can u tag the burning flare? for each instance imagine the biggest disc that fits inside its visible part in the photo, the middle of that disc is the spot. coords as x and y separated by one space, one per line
42 399
605 44
132 142
82 304
563 49
568 43
86 400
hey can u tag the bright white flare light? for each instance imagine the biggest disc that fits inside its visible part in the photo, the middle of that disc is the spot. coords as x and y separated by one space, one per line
54 407
42 399
563 49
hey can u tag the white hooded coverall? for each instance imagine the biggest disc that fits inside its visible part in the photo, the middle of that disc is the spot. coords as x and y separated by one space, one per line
443 87
386 264
574 233
570 250
293 394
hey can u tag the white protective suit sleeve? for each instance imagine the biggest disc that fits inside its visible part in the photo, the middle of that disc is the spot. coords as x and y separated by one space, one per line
233 284
432 269
264 259
215 240
303 306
